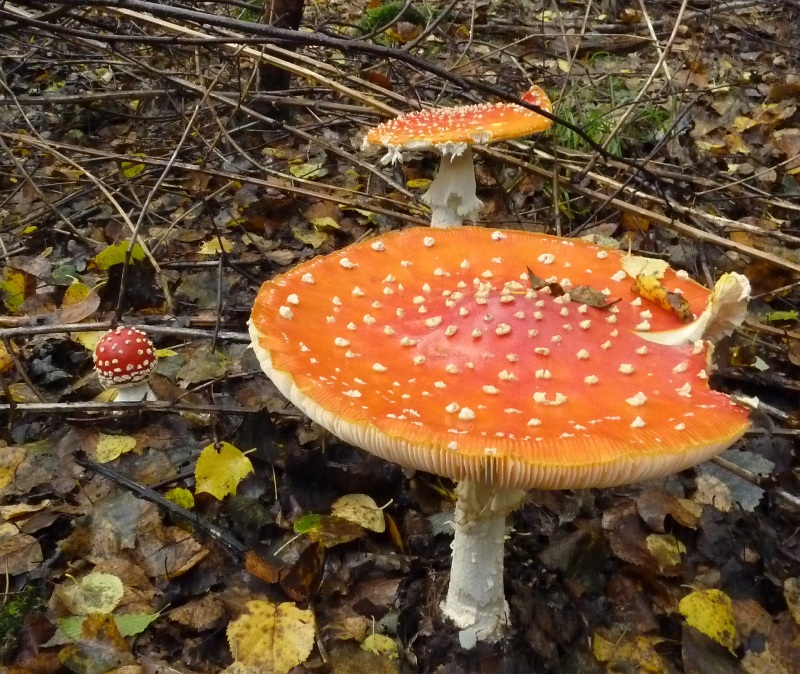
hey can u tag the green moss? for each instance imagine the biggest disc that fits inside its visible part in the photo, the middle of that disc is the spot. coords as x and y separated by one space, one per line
385 13
12 614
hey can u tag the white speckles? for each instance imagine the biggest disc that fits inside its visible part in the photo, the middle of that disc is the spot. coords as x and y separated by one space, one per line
377 246
556 339
702 374
502 329
464 264
463 311
546 258
450 330
605 345
538 315
611 319
583 354
519 314
684 391
497 260
426 288
619 276
352 394
487 274
388 291
330 319
433 321
451 368
585 325
542 374
399 312
534 422
347 264
506 299
642 350
540 397
336 301
428 241
438 272
564 312
293 299
368 320
406 263
613 333
360 382
491 390
286 312
351 326
638 422
582 309
357 292
466 414
304 348
644 326
698 347
533 332
314 361
419 299
307 278
680 427
490 451
680 367
591 379
498 236
439 384
602 254
646 314
408 341
475 334
605 291
452 446
505 375
389 279
376 305
419 360
351 354
379 368
341 341
423 309
682 273
511 357
542 351
637 400
626 368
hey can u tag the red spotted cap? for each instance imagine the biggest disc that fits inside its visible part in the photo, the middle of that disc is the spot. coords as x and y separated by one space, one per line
124 356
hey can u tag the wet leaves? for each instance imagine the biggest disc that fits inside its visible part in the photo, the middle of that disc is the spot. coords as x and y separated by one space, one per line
220 469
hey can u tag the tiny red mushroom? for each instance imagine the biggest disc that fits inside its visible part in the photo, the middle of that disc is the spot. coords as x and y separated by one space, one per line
452 195
124 359
434 351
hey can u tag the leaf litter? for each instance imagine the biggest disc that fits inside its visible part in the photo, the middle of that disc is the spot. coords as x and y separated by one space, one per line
696 573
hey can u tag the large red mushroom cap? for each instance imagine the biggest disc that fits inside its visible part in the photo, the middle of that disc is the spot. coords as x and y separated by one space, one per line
124 357
432 350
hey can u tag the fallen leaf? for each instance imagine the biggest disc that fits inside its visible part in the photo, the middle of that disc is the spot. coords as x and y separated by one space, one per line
710 612
220 470
360 509
94 593
270 639
110 447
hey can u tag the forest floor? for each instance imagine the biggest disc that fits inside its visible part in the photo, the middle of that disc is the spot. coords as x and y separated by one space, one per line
137 539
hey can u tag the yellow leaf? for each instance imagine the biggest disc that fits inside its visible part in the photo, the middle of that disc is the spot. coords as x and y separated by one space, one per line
313 238
10 459
13 286
634 265
219 472
131 170
95 593
711 612
215 246
271 639
360 509
666 550
6 361
634 654
115 254
166 353
418 183
110 447
380 644
325 222
180 496
743 123
88 340
79 302
309 171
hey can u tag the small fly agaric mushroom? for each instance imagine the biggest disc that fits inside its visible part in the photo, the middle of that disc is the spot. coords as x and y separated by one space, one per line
434 351
124 359
453 131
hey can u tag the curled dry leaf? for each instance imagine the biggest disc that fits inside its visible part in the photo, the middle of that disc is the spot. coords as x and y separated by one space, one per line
360 509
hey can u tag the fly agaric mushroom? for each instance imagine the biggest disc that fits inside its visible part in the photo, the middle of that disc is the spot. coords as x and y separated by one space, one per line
453 131
124 359
432 350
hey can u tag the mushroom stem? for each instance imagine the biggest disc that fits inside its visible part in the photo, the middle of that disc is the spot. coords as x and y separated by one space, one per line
476 600
452 194
134 393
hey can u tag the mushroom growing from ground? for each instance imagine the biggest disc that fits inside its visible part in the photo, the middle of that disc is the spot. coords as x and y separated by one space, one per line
124 359
452 195
437 351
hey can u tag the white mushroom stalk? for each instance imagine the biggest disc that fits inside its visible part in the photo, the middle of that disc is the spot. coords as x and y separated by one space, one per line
476 600
452 195
134 393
